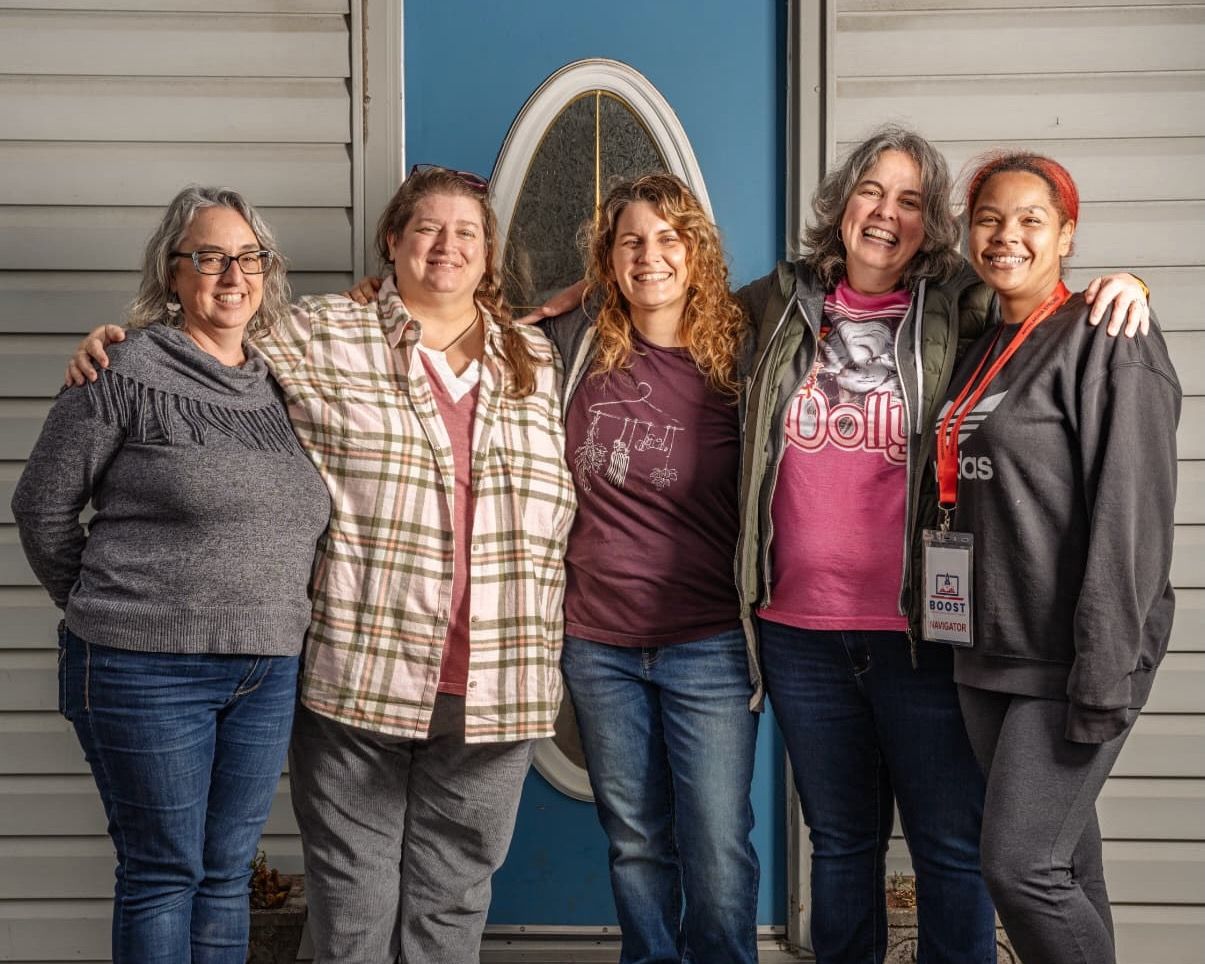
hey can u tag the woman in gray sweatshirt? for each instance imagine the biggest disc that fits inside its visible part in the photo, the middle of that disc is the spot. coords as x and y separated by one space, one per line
185 597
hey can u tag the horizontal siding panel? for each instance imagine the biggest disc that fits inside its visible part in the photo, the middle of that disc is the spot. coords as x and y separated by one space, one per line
1188 628
75 302
1152 872
189 6
31 366
1115 169
1190 494
284 110
1148 871
1177 294
27 619
55 930
1142 233
69 806
1169 810
143 44
82 867
119 173
14 570
9 473
20 423
1179 684
112 238
1190 440
1188 554
39 743
1021 40
880 6
1016 108
28 681
1159 935
1152 809
1187 350
1164 746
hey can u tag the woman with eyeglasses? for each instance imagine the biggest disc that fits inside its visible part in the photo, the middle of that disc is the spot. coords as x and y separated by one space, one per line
185 597
431 663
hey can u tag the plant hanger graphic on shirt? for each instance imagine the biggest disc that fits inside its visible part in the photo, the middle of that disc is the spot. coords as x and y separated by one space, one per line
636 434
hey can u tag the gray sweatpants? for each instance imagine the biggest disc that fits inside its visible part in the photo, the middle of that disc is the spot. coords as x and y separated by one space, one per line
401 837
1040 847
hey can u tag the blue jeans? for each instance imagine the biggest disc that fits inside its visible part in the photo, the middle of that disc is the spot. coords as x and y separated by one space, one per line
863 730
669 741
186 751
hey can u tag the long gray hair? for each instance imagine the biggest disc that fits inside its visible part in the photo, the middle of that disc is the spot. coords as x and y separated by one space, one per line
150 306
938 257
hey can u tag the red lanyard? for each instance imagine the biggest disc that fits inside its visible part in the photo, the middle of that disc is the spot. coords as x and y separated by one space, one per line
968 398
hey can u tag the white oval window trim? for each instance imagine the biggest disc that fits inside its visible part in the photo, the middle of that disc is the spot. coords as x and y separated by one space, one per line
522 141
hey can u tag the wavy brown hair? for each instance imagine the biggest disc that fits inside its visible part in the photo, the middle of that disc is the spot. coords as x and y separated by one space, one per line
516 356
938 258
713 325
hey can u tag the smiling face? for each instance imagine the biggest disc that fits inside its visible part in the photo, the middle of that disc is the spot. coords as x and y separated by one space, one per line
440 252
882 226
650 263
217 303
1017 241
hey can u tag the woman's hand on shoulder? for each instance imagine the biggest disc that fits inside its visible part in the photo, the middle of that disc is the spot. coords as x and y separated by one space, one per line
1126 296
364 291
563 301
90 353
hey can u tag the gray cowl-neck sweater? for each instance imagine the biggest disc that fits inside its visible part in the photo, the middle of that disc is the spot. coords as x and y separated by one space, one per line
207 510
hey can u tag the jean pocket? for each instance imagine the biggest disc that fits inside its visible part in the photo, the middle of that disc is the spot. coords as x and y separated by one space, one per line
62 671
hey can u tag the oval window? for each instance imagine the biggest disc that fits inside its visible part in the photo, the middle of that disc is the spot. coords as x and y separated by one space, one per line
590 124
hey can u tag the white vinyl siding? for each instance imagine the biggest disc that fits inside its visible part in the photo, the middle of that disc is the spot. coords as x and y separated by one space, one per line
107 109
1116 91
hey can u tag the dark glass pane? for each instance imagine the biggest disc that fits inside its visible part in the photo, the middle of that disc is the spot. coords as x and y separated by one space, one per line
627 148
557 199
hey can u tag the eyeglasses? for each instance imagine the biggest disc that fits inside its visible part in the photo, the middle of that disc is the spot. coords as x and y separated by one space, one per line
474 181
215 262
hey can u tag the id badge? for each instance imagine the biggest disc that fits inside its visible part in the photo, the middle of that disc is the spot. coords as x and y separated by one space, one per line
948 613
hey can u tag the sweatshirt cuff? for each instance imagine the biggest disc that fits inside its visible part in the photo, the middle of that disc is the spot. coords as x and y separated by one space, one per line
1086 724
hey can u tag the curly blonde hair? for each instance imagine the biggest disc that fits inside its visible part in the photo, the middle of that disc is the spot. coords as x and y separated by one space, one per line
713 325
517 357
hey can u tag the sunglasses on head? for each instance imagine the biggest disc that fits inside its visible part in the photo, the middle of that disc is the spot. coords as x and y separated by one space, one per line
474 181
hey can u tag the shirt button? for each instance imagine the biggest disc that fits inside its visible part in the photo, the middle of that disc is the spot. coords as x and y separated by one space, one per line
474 619
472 684
476 546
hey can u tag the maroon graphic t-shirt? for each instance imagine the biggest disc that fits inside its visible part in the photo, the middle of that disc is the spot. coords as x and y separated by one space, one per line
654 453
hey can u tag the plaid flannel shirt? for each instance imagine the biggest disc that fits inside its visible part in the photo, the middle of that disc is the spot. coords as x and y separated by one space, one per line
362 405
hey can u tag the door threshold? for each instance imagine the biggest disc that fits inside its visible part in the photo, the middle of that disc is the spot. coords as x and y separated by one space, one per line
588 949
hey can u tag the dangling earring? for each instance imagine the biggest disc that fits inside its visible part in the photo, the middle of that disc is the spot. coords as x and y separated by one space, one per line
173 303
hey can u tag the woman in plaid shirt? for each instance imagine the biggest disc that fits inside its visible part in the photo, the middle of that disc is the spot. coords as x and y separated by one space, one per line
431 663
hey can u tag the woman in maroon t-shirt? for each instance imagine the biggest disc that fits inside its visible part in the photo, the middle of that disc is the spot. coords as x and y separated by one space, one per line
655 658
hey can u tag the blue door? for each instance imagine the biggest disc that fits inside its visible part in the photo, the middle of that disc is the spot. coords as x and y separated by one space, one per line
470 67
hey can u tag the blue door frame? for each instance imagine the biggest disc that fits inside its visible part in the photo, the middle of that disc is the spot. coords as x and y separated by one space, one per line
469 67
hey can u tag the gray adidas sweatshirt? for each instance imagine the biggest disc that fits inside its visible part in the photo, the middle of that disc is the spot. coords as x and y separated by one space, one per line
207 515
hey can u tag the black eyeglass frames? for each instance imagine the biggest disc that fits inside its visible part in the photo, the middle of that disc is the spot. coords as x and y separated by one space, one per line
215 262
